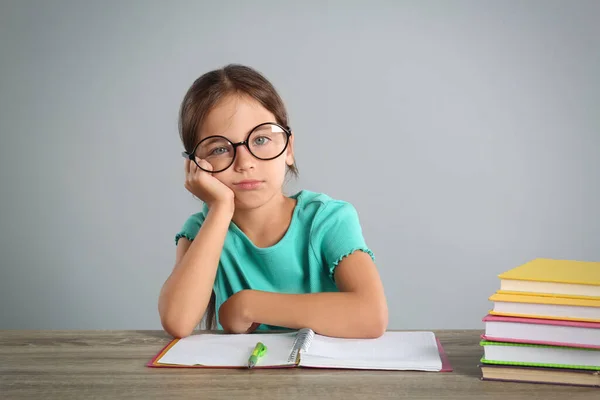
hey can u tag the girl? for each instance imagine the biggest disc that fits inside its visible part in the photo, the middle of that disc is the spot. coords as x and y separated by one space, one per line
254 258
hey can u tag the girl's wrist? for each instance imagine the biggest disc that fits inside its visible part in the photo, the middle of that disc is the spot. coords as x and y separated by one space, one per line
225 209
251 304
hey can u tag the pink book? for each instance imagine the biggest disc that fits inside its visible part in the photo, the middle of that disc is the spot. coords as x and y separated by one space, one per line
542 331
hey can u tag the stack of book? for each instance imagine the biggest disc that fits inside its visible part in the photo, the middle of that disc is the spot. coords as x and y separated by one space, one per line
544 326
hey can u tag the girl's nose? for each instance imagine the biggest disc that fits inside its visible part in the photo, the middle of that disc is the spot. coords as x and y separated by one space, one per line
244 159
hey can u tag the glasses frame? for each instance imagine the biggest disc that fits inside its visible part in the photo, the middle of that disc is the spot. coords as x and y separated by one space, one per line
191 156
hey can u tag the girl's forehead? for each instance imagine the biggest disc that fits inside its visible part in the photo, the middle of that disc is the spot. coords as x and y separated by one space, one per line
234 117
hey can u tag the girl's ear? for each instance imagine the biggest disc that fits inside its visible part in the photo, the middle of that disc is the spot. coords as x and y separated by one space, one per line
289 158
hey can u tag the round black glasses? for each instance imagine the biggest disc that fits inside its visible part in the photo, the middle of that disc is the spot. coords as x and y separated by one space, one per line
266 141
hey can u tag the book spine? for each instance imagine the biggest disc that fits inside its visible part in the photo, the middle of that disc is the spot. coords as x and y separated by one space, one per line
302 343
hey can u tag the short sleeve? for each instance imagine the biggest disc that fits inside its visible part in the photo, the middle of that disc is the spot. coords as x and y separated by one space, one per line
190 228
337 233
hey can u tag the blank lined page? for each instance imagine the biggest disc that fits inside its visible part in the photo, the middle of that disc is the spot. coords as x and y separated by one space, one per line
224 350
393 350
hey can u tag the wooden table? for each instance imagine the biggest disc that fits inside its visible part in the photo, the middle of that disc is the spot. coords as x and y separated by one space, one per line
111 364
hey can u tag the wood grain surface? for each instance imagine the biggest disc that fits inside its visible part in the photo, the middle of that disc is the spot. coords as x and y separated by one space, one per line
112 364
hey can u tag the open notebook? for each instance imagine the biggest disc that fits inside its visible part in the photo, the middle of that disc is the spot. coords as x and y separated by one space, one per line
407 350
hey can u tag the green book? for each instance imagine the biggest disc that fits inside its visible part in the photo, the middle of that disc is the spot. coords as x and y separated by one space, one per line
536 355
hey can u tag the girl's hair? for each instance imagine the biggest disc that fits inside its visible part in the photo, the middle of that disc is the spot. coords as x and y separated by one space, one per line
205 93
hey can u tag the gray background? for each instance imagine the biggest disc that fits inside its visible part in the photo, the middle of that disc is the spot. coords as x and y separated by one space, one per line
466 133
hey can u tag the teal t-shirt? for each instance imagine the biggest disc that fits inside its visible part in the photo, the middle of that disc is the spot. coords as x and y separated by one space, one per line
322 232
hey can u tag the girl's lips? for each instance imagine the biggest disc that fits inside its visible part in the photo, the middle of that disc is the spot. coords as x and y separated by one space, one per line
248 184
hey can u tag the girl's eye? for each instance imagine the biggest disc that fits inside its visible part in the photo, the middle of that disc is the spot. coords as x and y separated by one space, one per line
261 140
219 151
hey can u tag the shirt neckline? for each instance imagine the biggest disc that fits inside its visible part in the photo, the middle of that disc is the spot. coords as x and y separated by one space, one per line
286 237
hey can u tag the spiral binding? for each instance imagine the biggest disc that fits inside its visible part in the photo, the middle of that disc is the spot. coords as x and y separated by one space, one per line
302 342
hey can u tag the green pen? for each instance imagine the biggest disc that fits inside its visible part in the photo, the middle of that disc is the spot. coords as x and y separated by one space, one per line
259 351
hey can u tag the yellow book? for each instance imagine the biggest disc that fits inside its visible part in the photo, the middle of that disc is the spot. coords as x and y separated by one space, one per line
555 277
547 307
573 296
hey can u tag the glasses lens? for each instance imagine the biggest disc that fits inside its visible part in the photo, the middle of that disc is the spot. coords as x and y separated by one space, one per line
267 141
217 151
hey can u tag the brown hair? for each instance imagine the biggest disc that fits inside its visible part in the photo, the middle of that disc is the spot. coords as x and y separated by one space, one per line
205 93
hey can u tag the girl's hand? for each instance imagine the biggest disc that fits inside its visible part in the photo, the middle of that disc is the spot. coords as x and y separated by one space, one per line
234 314
205 186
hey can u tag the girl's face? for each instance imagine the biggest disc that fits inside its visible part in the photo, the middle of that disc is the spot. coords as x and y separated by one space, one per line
253 181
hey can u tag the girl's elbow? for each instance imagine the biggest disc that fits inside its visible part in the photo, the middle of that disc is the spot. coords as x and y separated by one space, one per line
371 322
176 328
177 331
379 322
377 329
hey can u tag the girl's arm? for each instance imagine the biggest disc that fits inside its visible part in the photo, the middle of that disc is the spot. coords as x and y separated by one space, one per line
186 293
358 311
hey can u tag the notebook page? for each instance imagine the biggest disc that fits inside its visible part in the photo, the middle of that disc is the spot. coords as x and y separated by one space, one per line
393 350
225 350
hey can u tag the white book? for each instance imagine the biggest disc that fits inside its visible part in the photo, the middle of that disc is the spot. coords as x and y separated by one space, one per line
542 331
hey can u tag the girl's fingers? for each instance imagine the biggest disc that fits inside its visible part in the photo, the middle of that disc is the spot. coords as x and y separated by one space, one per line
193 167
252 327
204 164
